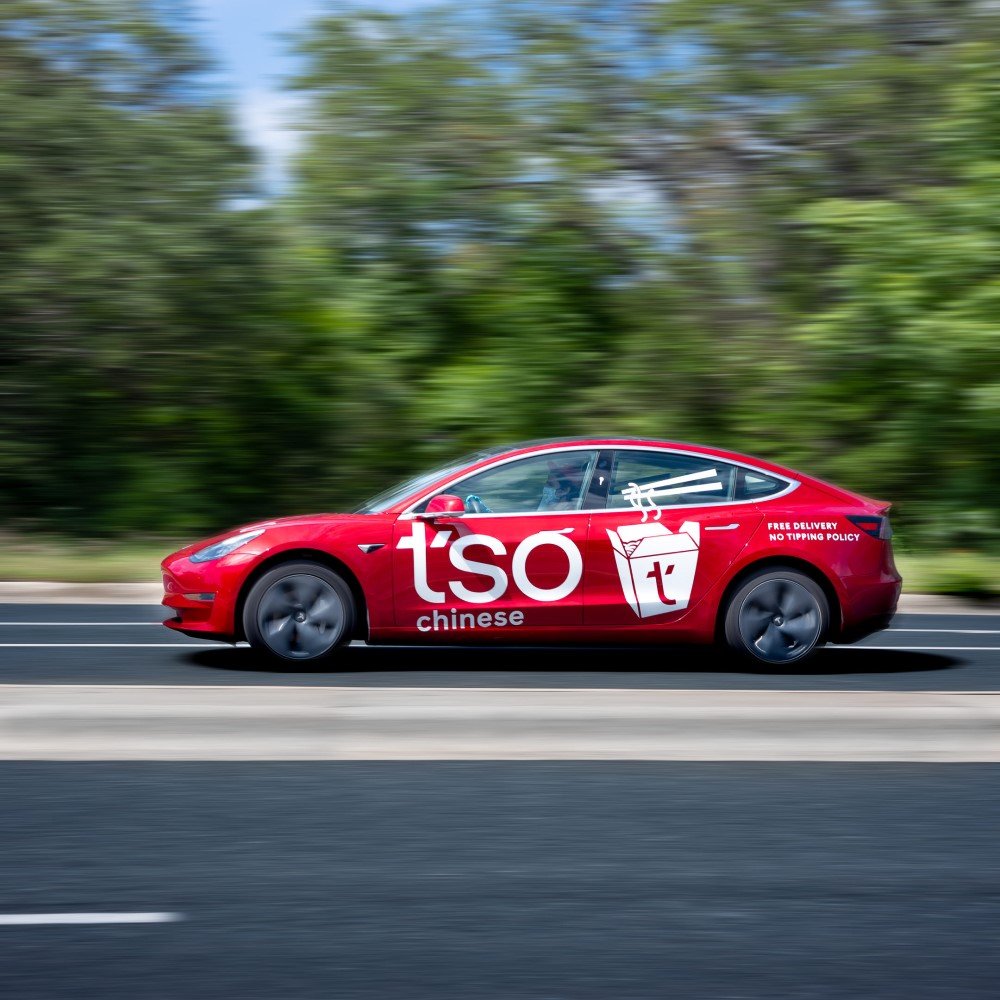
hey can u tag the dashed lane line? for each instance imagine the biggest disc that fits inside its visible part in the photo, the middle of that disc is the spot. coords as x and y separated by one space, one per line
111 645
60 919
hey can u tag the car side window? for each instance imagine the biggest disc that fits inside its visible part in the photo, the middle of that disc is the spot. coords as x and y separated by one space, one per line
541 482
665 479
751 485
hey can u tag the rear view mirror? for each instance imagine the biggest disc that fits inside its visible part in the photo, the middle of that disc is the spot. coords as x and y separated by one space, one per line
445 503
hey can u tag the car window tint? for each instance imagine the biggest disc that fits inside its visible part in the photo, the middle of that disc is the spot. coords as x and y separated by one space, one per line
541 482
666 479
752 485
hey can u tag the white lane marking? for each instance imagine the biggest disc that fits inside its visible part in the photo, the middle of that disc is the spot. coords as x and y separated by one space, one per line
367 689
306 696
110 645
243 645
949 631
44 624
911 649
46 919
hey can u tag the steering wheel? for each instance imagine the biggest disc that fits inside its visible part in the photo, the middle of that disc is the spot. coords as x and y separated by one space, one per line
475 504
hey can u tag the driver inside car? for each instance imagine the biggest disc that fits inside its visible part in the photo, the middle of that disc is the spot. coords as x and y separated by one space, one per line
562 489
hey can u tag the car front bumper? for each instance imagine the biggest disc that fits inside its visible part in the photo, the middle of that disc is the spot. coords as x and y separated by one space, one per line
202 599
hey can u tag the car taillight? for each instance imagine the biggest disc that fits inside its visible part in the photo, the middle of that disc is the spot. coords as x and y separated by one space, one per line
875 525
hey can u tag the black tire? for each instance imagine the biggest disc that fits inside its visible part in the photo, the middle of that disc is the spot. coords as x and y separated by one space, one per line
299 612
778 616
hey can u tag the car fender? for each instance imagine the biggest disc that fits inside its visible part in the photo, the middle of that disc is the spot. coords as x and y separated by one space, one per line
363 549
761 550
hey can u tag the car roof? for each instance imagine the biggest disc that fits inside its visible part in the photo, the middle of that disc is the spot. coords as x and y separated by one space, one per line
613 442
584 442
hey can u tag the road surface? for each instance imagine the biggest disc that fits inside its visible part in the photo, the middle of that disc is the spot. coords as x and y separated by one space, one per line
489 875
125 644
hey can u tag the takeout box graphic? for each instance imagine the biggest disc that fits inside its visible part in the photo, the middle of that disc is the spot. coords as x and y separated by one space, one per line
656 566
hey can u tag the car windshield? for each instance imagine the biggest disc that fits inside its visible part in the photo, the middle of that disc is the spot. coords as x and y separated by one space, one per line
392 496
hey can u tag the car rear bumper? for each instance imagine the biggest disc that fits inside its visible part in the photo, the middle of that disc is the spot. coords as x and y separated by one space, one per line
869 607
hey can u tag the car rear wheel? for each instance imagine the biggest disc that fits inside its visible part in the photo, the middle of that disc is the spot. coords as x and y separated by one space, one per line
777 616
299 612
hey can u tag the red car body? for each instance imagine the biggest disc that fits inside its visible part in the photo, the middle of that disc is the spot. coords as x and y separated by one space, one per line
641 562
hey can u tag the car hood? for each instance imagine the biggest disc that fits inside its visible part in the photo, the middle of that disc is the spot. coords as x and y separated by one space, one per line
303 521
292 521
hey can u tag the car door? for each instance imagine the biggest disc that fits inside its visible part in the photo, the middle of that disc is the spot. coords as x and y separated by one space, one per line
670 529
511 561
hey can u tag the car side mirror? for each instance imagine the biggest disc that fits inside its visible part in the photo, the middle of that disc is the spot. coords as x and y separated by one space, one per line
445 503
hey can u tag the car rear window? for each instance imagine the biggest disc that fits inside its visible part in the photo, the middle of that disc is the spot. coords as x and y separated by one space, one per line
751 485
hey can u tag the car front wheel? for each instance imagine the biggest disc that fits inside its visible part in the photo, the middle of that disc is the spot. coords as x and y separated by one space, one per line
777 616
299 612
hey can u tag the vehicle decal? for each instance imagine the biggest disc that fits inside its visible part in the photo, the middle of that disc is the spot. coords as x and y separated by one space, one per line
416 542
809 531
638 495
656 566
439 621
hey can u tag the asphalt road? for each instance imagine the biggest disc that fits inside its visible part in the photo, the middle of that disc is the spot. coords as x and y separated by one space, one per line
486 880
125 644
540 880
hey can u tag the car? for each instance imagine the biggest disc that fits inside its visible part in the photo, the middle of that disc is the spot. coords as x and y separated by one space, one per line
591 540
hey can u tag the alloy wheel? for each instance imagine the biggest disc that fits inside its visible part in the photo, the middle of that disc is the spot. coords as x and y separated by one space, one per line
780 620
301 617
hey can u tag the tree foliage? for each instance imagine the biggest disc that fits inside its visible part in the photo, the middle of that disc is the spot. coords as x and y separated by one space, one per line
148 364
763 224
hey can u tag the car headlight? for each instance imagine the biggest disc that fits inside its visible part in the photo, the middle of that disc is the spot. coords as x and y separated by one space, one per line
227 545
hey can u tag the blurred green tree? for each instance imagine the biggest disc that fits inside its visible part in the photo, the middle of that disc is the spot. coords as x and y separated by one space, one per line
647 218
765 224
152 375
909 335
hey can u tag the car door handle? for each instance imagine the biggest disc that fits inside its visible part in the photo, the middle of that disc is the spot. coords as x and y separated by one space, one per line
722 527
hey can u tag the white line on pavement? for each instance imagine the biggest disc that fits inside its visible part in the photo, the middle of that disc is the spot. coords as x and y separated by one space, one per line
364 690
932 631
221 643
46 919
109 645
949 631
920 649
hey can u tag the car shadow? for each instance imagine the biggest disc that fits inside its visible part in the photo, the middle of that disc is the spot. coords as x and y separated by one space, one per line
830 661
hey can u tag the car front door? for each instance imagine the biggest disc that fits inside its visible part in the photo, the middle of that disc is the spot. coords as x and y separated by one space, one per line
512 561
670 530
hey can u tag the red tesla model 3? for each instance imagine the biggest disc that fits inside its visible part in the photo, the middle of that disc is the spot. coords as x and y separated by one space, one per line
591 540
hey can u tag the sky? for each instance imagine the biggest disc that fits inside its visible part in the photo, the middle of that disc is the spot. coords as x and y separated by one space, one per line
245 37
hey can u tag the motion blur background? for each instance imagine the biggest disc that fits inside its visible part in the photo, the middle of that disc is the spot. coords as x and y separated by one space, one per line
772 226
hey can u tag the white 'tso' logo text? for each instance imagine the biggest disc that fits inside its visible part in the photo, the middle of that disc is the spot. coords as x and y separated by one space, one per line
497 577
